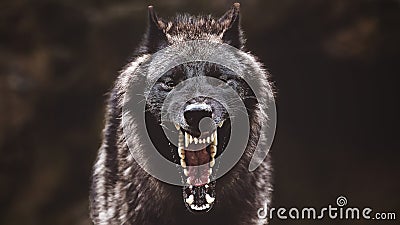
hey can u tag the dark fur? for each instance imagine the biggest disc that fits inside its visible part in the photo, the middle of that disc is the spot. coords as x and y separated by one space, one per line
123 193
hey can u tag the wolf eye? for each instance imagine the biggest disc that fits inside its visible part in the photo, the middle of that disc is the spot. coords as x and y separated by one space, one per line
168 85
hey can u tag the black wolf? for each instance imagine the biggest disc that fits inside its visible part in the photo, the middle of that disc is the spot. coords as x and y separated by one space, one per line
122 192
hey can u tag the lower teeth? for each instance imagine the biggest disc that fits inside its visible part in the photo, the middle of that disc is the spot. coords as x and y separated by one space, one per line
209 199
203 207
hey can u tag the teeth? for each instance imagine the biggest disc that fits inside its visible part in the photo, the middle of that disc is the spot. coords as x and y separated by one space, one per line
181 152
177 126
213 150
199 208
221 123
215 138
210 172
185 171
190 199
188 180
180 140
202 141
183 163
212 162
209 199
187 139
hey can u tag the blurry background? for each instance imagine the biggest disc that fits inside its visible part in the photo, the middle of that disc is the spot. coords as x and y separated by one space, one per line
334 64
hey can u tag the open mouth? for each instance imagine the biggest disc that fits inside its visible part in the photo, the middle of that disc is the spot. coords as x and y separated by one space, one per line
197 160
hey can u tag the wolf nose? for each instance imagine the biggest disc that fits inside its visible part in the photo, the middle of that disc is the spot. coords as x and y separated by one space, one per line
195 112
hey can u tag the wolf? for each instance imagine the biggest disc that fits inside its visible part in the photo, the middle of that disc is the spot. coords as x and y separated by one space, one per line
123 192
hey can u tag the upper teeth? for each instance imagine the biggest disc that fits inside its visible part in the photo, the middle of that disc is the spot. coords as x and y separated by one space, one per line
189 139
215 142
181 151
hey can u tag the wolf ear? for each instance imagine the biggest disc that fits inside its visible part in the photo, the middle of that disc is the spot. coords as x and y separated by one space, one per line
155 36
233 35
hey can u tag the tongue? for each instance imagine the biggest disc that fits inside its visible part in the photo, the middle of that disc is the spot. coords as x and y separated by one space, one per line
198 169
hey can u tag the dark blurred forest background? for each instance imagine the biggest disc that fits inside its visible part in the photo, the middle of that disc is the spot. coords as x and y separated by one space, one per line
334 64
